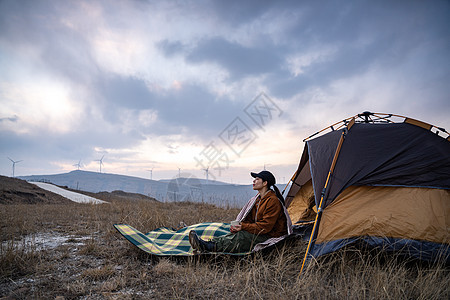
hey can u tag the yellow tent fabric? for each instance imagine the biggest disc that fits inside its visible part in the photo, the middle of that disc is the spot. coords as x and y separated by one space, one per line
398 212
302 207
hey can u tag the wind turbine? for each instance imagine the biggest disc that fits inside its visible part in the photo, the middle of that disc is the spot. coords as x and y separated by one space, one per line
179 172
101 162
78 165
151 173
207 172
14 164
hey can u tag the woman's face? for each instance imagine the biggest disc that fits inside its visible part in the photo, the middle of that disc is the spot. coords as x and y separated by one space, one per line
258 183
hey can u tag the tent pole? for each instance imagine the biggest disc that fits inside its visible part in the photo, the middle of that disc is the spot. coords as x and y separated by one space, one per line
292 179
319 212
379 115
350 118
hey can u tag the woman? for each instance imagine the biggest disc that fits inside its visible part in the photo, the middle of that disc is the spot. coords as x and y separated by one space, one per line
263 217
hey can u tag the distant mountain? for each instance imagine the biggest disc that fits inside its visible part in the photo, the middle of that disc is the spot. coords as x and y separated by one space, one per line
178 189
202 181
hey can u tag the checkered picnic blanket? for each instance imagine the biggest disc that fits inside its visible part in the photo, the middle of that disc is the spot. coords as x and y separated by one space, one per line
166 241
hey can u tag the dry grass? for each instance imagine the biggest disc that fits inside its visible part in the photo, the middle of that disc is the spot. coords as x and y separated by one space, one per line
96 262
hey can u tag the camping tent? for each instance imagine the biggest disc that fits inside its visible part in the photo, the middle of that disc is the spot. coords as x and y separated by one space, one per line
377 180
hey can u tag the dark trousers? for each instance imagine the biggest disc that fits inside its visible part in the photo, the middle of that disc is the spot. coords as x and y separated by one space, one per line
240 242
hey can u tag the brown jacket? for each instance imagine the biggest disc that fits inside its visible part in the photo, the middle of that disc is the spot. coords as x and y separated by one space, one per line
269 215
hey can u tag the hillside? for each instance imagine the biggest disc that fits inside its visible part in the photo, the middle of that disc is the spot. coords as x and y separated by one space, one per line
18 191
15 191
175 190
116 196
72 251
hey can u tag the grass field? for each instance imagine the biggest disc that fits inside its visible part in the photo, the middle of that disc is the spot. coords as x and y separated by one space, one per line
88 259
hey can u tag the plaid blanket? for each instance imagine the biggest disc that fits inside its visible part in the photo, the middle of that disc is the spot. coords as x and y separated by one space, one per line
166 241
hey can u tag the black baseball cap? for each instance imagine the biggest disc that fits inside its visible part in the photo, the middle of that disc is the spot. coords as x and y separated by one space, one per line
265 176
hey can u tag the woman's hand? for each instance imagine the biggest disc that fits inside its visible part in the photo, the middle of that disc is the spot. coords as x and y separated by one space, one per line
235 228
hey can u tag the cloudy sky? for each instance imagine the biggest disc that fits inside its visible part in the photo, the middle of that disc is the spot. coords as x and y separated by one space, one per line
177 86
